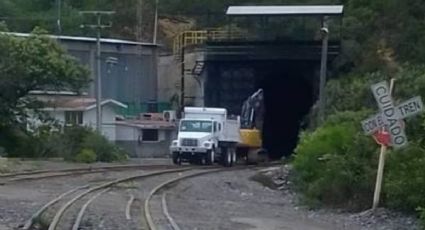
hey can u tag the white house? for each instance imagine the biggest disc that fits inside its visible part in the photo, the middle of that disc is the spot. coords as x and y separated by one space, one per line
81 110
146 137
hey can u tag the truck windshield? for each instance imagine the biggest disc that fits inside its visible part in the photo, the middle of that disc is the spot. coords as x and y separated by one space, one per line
196 126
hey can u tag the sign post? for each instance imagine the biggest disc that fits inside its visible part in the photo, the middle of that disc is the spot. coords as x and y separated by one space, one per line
379 176
387 126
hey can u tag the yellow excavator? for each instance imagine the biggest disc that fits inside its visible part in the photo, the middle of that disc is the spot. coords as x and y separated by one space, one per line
250 147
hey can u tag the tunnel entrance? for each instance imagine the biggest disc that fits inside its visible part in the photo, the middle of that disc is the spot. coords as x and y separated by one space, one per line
287 73
288 97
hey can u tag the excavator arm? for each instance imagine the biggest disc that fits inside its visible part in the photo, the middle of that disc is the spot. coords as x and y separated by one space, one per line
252 120
252 111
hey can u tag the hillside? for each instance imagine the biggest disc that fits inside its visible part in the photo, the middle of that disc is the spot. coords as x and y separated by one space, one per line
369 28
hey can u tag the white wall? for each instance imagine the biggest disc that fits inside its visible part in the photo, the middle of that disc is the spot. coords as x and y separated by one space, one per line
126 133
108 120
109 131
108 116
89 119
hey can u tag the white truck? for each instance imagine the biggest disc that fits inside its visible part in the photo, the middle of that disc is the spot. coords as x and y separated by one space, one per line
205 136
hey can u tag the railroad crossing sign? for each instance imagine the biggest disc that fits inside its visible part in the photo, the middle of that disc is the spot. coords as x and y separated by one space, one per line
387 126
390 116
382 137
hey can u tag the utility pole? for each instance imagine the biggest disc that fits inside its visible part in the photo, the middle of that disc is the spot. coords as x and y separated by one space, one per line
98 27
183 70
139 13
323 68
155 28
58 22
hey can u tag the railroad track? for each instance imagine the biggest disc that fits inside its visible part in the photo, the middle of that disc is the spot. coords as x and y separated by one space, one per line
43 174
147 210
88 193
166 185
81 192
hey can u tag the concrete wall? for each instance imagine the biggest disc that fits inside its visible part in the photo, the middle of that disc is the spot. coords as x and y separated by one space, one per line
128 138
169 78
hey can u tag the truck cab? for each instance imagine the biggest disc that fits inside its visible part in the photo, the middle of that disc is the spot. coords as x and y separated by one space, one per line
205 136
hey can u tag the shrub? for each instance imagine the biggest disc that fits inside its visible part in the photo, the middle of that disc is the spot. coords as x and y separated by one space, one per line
421 212
336 164
105 151
404 185
41 144
72 140
69 144
86 156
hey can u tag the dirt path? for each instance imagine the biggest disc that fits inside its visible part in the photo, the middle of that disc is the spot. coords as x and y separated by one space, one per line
232 200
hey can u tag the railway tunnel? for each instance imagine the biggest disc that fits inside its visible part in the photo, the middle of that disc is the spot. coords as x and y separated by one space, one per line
287 72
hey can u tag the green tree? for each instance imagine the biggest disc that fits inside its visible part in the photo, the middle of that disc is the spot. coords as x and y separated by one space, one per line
31 63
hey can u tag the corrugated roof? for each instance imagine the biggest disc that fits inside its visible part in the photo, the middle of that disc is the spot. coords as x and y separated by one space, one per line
88 39
285 10
147 124
73 103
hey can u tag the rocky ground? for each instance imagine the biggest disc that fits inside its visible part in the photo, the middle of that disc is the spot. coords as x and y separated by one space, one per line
236 200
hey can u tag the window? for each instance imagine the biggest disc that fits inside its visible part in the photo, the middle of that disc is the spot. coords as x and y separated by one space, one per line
150 135
215 127
196 126
74 117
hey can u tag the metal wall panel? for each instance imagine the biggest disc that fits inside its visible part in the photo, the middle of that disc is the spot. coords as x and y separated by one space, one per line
131 79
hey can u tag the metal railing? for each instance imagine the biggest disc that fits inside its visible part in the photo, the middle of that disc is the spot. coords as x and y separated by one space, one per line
198 37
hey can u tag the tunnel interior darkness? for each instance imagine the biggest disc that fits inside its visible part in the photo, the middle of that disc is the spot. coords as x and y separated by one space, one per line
288 96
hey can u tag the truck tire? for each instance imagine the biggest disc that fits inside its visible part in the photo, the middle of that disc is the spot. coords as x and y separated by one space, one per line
233 156
252 157
176 158
210 156
227 157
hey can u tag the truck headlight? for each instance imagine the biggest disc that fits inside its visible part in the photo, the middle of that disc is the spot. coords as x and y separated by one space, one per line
175 143
207 144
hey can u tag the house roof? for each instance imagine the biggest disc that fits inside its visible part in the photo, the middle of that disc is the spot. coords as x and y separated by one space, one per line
87 39
74 103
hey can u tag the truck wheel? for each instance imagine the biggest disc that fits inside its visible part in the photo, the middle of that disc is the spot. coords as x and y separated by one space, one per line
227 158
233 155
252 156
210 157
177 159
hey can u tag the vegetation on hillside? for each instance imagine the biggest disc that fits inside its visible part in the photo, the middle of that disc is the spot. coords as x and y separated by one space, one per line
372 31
336 163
